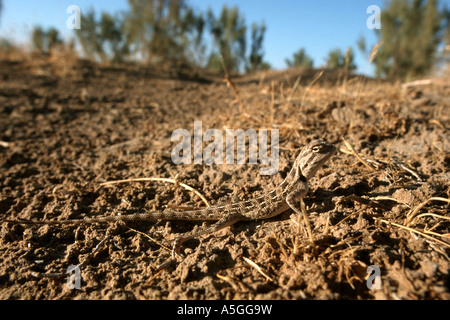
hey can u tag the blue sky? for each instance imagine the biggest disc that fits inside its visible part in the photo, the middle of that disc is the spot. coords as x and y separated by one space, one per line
316 25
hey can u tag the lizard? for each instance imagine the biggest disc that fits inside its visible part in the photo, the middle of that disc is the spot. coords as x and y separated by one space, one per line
270 204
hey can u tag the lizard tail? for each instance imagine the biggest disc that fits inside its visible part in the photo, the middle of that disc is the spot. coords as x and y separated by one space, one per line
149 216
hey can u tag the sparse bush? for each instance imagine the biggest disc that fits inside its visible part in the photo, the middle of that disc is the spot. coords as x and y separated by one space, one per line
300 58
338 60
45 41
229 31
159 31
255 60
7 48
103 39
410 34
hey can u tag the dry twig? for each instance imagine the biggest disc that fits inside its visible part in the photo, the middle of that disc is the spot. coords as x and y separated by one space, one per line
229 83
413 230
314 80
297 82
258 268
158 179
349 146
412 214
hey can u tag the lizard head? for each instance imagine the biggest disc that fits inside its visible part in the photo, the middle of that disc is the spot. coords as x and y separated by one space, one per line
313 156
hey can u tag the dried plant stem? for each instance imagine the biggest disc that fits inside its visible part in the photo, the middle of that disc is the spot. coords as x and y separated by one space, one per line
161 270
377 198
234 283
297 82
306 219
258 268
297 235
314 80
417 83
272 104
374 52
365 201
412 214
304 215
229 83
158 179
413 230
429 214
152 239
349 146
5 144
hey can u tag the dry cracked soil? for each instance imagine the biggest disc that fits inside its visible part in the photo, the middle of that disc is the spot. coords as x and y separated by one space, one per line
69 127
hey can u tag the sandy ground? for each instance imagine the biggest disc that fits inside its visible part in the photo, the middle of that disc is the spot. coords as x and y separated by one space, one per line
69 127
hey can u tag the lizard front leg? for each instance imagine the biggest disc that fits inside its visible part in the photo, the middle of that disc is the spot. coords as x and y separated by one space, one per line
290 200
293 196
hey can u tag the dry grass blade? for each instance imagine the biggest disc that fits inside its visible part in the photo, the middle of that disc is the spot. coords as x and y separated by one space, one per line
413 230
327 226
374 52
307 224
234 283
97 248
412 172
446 236
297 82
429 214
349 146
282 248
156 275
154 240
365 201
258 268
229 83
314 80
349 216
378 198
297 236
417 83
413 213
158 179
306 219
272 105
438 123
4 144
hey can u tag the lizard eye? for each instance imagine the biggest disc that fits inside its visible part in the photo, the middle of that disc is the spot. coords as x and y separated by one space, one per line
316 149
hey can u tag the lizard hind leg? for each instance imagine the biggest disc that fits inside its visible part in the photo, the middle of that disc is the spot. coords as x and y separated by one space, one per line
220 224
